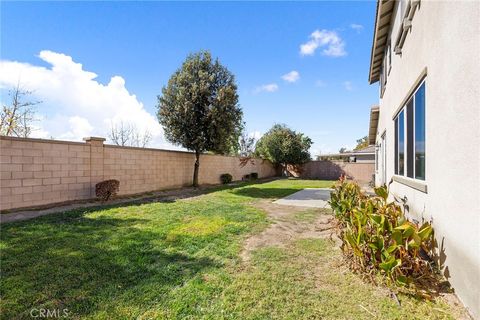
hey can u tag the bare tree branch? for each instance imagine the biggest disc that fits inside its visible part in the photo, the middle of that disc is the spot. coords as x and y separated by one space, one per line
17 118
127 134
246 150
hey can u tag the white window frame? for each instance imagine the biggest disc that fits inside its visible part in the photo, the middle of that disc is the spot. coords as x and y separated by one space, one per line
405 136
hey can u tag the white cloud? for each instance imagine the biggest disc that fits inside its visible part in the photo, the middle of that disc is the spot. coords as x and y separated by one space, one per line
292 76
37 128
320 83
330 41
271 87
348 85
75 105
357 27
80 127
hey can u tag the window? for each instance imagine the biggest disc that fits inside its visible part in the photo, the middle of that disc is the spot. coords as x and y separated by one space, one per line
386 66
410 137
383 80
385 69
396 146
403 8
382 85
420 133
389 57
401 143
409 120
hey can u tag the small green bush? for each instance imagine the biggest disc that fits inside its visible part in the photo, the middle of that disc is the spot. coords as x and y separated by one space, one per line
226 178
254 175
377 237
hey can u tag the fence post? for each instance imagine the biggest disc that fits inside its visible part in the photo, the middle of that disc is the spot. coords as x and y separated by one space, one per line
96 161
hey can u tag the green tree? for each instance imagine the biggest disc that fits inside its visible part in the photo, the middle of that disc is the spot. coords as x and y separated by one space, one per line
361 143
199 108
283 146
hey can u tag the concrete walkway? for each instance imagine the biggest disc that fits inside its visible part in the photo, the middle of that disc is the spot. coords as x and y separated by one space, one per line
310 197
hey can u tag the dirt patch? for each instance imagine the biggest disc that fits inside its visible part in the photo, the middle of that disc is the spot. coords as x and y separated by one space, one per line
289 224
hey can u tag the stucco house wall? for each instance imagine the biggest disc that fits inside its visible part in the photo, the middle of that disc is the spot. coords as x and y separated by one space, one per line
443 45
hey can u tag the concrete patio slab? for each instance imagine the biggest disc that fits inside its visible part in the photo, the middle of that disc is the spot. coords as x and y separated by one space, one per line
310 197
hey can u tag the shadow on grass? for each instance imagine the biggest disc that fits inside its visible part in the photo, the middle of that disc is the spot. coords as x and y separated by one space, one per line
87 265
265 193
115 264
179 195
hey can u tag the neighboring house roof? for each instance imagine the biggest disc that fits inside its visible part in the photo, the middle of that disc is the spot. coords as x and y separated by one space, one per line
380 37
372 131
370 150
367 150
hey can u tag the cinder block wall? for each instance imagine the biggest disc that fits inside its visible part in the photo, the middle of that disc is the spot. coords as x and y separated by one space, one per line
37 172
332 170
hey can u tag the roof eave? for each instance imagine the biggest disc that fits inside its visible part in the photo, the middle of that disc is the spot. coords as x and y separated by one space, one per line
372 131
382 27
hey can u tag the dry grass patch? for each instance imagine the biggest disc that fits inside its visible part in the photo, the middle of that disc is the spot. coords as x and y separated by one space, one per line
307 280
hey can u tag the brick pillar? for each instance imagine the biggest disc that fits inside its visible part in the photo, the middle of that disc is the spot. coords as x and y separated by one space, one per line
96 161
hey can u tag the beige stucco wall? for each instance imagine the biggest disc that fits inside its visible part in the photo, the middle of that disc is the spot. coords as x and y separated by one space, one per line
37 172
445 41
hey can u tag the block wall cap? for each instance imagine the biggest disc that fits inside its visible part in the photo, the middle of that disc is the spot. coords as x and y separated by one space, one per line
94 139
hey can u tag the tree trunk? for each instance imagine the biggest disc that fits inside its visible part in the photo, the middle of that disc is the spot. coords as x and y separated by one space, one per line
195 170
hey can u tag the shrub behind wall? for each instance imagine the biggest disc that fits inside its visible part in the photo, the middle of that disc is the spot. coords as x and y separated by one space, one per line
226 178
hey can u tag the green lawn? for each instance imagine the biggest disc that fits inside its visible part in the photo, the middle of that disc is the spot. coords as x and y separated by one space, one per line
181 260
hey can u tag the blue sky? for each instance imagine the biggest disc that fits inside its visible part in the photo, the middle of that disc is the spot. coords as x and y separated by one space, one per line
327 97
